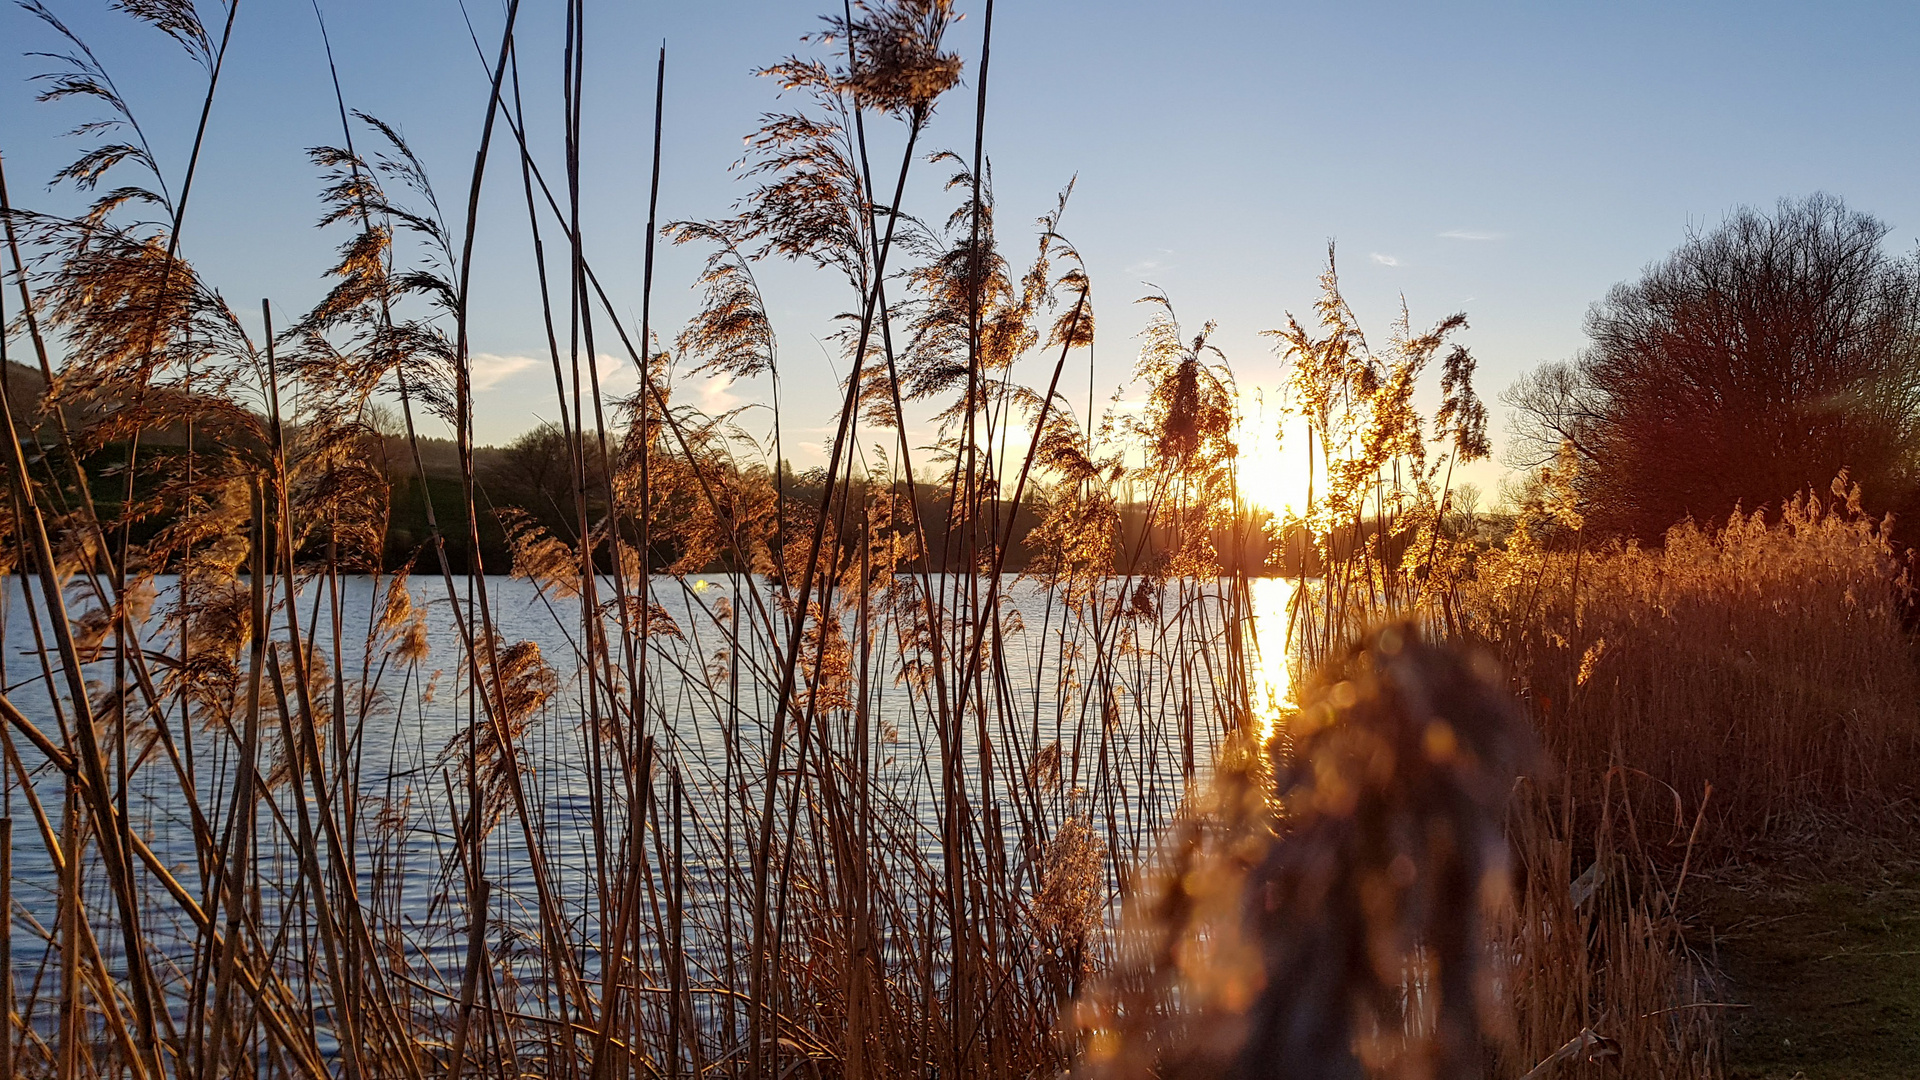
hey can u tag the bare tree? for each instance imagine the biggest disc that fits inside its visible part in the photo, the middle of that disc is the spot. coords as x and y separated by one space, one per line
1757 359
1549 405
534 474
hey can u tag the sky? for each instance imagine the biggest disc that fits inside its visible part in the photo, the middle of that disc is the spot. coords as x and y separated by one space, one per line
1509 160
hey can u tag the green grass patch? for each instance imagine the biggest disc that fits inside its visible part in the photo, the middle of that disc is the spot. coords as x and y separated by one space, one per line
1820 940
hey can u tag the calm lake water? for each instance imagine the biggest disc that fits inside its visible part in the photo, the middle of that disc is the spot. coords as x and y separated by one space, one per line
1132 731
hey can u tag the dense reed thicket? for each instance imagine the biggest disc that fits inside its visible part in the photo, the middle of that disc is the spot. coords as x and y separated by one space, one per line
1747 680
774 790
1296 921
1764 658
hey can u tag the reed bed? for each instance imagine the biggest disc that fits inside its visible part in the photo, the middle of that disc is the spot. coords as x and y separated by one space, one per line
795 778
1603 975
1293 923
1742 682
1765 658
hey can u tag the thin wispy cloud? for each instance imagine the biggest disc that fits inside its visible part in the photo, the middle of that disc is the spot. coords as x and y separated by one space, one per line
1385 260
617 373
490 369
618 376
1159 260
716 394
1470 234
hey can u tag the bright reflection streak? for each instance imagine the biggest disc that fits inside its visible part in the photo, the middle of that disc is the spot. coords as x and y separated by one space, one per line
1272 681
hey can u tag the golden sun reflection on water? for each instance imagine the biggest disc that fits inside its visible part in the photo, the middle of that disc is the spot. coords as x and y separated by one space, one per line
1272 680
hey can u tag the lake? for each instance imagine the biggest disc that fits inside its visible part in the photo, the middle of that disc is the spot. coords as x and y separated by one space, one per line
1100 707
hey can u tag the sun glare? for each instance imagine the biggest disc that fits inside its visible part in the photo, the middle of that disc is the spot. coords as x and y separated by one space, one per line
1272 473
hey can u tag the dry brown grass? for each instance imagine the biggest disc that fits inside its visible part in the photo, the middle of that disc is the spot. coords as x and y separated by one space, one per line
1598 951
795 900
847 813
1765 658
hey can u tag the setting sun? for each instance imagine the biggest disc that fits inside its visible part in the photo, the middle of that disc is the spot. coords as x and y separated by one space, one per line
1272 472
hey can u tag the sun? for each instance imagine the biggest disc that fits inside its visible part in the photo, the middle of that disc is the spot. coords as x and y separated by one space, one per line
1272 466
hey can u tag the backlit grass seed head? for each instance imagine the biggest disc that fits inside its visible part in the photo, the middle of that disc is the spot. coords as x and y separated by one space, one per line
1359 406
220 621
731 334
81 75
178 20
810 204
520 684
397 608
829 663
92 627
896 63
403 625
968 315
1077 540
538 556
340 503
1043 772
1072 898
381 345
209 543
133 319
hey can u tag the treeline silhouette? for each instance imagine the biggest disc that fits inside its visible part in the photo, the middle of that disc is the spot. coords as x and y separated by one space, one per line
527 486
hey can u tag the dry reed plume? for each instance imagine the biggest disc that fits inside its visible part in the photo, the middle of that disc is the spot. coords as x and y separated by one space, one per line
1342 926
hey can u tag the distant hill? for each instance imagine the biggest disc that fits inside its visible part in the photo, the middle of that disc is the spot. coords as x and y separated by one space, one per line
24 387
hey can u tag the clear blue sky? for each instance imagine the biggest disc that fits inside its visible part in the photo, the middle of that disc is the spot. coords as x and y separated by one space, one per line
1510 160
